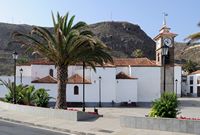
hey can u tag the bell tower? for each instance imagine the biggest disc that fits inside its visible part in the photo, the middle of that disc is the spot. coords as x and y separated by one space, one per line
165 37
165 59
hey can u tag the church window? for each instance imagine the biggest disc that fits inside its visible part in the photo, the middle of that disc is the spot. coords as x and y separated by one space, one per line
76 90
51 72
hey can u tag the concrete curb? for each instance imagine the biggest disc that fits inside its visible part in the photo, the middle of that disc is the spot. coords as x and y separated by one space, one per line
47 127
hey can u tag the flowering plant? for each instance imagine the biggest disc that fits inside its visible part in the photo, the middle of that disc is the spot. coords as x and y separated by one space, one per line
187 118
71 109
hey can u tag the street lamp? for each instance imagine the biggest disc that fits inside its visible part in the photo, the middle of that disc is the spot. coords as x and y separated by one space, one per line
15 56
176 85
21 71
83 87
165 50
100 91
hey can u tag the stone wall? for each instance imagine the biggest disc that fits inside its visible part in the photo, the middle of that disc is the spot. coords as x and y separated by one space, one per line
163 124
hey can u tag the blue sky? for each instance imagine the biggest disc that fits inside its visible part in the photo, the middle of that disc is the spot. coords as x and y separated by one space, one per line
183 18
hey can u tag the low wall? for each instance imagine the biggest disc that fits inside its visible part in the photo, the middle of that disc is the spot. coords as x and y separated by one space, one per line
48 112
163 124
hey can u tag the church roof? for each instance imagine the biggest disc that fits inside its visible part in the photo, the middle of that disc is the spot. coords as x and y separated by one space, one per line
117 62
46 79
77 79
74 79
134 62
122 75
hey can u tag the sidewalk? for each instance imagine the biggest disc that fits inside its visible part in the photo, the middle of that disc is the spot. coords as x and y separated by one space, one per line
102 126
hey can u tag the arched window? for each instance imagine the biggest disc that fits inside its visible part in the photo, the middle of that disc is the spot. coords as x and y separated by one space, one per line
51 72
76 90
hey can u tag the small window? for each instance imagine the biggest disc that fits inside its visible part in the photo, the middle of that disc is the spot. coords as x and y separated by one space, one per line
191 79
158 57
191 89
76 91
51 72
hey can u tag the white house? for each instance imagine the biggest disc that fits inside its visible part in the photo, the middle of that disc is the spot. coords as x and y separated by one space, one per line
193 84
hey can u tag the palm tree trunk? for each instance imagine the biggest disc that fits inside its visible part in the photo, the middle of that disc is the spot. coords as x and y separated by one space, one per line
62 75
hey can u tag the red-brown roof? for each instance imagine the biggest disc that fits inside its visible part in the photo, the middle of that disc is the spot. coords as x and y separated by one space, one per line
77 79
134 62
74 79
122 75
117 62
46 79
195 72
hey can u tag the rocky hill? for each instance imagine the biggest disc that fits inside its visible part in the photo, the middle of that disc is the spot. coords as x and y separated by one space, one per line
124 38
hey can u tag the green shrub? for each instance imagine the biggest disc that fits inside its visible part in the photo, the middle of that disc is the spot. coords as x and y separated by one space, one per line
166 106
41 98
26 95
10 87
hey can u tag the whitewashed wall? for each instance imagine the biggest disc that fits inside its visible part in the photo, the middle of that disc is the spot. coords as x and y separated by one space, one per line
177 75
39 71
126 89
149 82
26 70
108 88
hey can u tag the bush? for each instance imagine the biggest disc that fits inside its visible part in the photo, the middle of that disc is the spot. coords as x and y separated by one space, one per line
26 95
41 98
166 106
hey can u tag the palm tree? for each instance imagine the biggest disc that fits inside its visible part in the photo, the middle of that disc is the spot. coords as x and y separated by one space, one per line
67 45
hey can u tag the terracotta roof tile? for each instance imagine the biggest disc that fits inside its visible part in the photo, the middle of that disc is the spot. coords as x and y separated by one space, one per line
134 62
75 79
46 79
117 62
122 75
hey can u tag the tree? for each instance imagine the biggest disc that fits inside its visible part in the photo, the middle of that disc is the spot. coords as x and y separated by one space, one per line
190 66
67 45
138 53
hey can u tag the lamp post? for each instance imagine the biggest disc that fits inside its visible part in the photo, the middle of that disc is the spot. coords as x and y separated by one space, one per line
100 91
15 56
21 71
83 87
165 49
176 85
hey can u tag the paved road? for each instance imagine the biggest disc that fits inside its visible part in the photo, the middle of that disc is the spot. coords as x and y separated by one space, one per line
7 128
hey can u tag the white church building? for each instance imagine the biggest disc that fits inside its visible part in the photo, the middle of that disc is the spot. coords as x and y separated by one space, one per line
136 80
